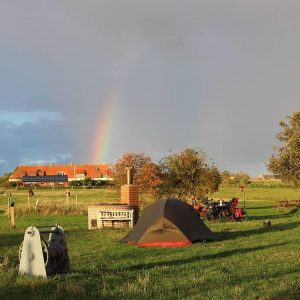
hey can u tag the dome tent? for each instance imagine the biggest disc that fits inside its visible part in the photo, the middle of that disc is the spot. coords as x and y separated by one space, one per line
167 223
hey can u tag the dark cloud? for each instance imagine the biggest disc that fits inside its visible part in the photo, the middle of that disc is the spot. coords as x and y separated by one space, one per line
218 75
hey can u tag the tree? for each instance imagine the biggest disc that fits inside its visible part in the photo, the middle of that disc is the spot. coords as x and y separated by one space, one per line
75 183
89 182
214 179
149 179
4 180
226 177
285 163
146 174
186 174
241 177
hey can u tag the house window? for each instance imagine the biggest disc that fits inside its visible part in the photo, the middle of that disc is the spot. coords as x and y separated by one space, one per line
60 173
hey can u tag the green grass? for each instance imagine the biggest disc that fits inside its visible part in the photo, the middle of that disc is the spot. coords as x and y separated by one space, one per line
251 262
261 194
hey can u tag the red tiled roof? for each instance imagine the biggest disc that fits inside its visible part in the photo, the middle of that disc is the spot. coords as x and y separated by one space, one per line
93 171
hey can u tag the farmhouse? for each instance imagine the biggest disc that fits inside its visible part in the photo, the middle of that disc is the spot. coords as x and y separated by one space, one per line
55 175
268 177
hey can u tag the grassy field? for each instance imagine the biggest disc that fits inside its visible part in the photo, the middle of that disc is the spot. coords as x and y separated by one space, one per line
58 197
85 197
251 261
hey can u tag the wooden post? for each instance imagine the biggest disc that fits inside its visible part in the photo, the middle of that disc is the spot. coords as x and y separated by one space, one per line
67 196
8 204
28 201
76 199
8 194
12 216
12 213
37 204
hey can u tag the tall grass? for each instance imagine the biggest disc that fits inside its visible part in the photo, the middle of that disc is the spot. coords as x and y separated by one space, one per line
53 210
57 197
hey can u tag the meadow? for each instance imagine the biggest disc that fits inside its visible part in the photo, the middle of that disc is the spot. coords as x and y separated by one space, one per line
250 262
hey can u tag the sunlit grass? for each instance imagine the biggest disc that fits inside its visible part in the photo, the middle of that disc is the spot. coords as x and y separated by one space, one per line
251 261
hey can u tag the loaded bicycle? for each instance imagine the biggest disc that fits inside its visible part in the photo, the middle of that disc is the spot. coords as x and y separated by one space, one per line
221 210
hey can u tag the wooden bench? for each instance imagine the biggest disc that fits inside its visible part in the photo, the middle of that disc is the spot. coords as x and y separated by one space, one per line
287 203
114 215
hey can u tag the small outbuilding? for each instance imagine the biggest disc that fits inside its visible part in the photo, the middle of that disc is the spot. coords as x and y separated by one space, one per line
169 223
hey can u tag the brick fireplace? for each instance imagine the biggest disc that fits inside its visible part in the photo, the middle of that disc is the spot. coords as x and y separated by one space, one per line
116 215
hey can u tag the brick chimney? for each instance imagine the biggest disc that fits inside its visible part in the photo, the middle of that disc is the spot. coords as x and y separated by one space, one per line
129 191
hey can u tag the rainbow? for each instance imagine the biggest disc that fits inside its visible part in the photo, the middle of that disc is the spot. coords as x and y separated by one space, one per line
100 140
103 130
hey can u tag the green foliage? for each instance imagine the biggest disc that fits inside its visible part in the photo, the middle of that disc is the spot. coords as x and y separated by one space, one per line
214 179
101 183
286 162
89 182
226 176
4 180
231 178
241 177
186 174
75 183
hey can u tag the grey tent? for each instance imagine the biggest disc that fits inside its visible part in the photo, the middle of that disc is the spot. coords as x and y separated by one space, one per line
167 223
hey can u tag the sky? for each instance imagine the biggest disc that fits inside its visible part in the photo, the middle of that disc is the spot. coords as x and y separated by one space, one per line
86 81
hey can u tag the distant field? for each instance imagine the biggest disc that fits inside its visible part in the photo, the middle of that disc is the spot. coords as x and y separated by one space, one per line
251 262
263 193
46 197
90 196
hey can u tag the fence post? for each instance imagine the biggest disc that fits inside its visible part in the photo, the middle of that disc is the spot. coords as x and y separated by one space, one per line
12 217
28 201
37 205
67 196
12 213
8 203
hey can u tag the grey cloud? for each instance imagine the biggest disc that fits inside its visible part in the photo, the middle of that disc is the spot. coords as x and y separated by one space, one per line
19 118
64 156
58 157
218 75
28 161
